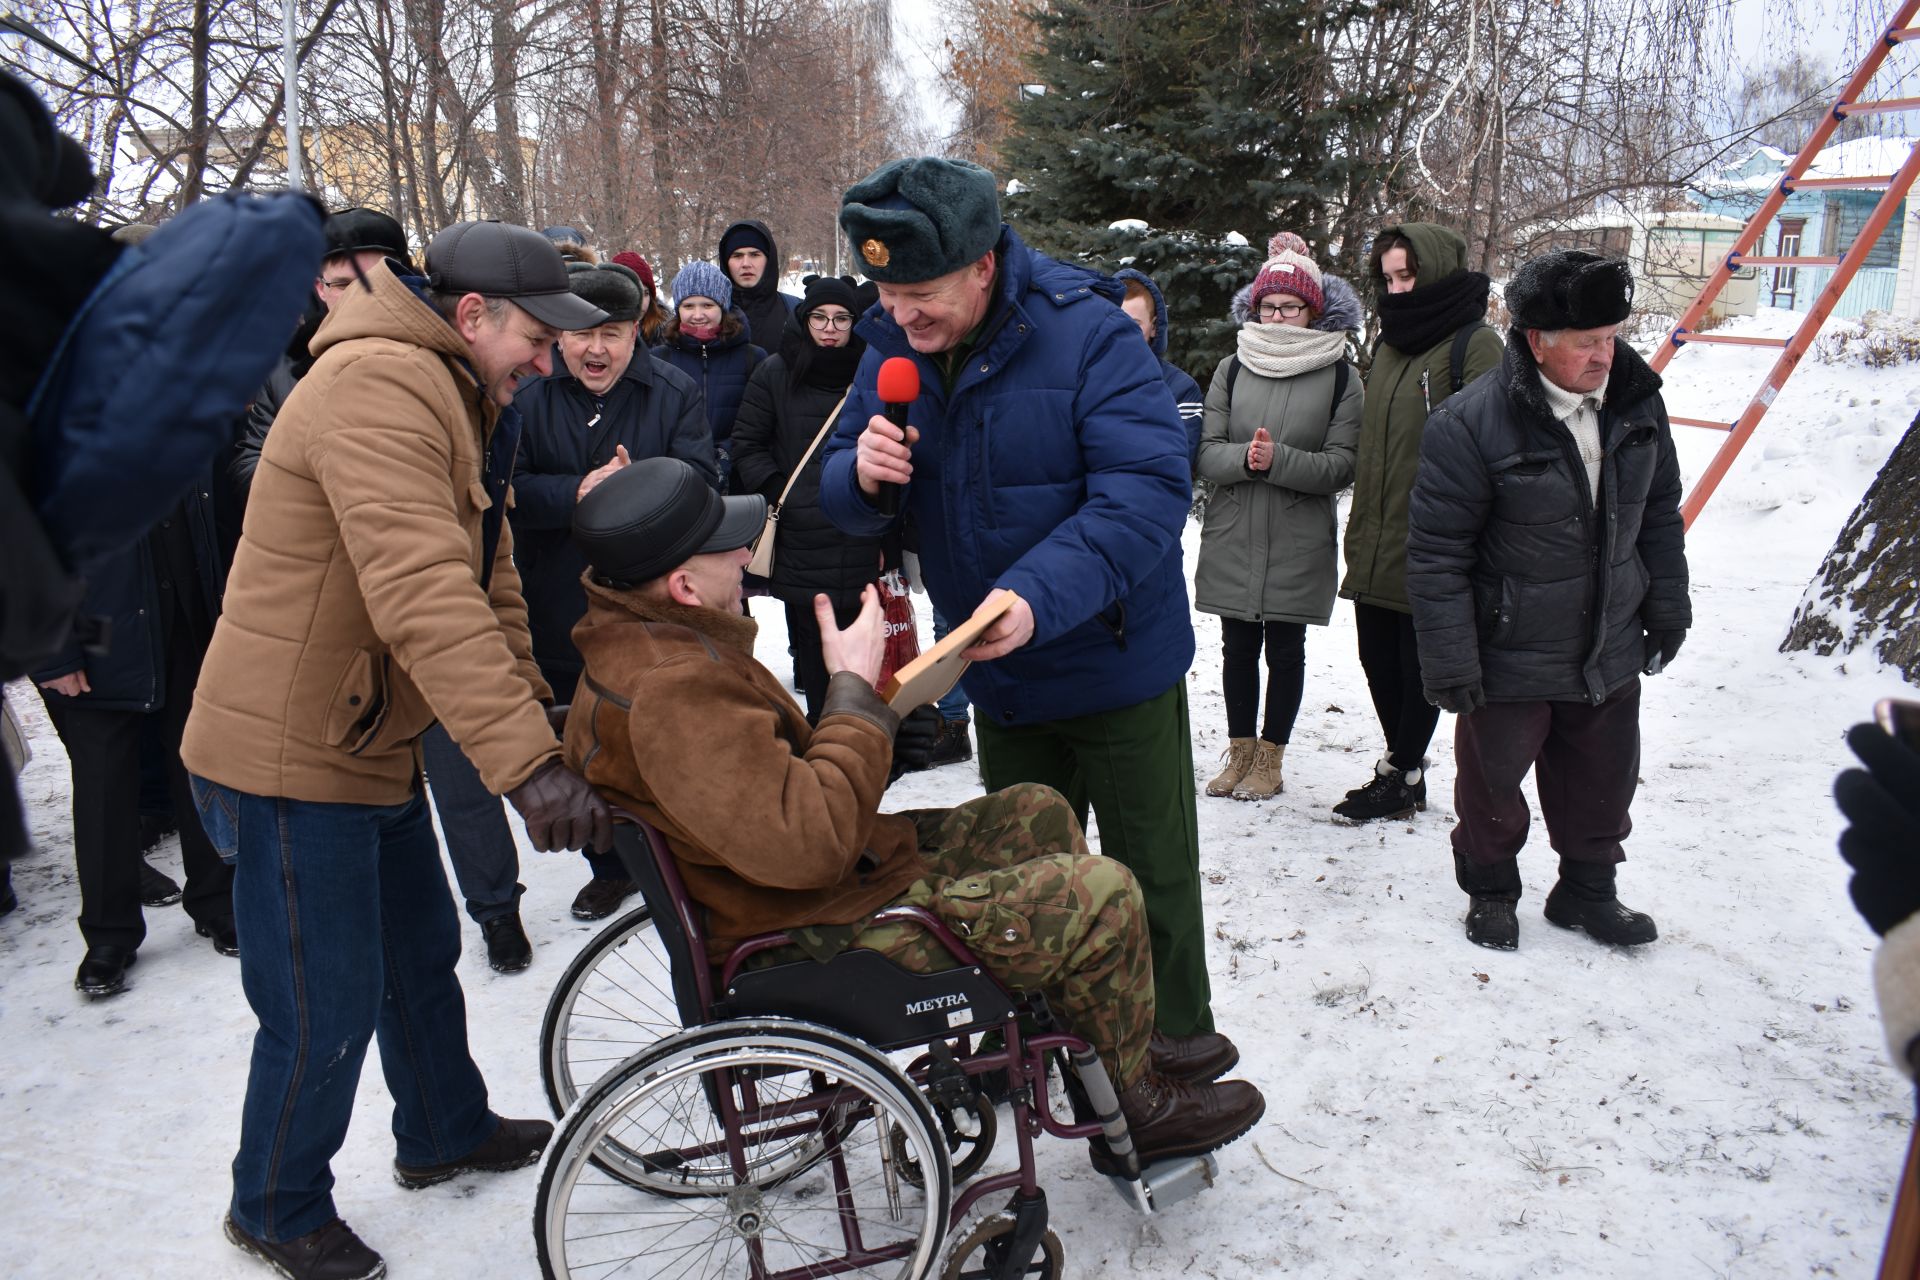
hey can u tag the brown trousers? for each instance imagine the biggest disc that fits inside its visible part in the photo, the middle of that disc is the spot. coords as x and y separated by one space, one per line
1587 762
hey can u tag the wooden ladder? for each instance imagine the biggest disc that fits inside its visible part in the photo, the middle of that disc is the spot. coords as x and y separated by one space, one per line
1894 188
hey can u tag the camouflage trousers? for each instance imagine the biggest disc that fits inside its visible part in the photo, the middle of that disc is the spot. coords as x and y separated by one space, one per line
1011 874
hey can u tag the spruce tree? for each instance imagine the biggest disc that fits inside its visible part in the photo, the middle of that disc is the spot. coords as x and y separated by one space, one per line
1200 128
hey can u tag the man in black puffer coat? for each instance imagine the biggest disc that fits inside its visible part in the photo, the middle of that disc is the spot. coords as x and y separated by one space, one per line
1547 570
752 263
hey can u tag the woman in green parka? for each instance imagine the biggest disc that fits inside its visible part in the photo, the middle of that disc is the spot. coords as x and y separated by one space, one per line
1276 439
1433 340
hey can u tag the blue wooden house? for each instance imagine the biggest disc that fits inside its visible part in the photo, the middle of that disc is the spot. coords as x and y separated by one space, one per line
1824 222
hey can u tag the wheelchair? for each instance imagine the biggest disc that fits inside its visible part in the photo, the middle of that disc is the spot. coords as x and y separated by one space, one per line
774 1137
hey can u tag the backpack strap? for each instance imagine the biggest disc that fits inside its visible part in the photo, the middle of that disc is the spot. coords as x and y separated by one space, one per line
1457 359
1233 375
1340 373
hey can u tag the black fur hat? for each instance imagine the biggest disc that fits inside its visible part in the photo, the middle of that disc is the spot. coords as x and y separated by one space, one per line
610 286
1570 289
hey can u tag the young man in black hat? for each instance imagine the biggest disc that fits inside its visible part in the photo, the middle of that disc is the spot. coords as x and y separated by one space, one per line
752 263
607 405
1547 570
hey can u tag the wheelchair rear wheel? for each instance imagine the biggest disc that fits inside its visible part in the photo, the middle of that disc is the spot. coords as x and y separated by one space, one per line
614 1000
756 1147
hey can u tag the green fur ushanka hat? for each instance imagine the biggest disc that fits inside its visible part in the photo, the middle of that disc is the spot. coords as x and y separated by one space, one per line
920 218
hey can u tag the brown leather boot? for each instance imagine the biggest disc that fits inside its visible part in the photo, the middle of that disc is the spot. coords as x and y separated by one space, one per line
1195 1059
1238 759
1168 1118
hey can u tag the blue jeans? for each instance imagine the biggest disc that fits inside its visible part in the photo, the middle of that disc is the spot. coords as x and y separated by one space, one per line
955 705
474 821
349 932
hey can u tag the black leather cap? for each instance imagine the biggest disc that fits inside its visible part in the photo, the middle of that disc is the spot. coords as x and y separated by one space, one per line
503 261
365 230
652 516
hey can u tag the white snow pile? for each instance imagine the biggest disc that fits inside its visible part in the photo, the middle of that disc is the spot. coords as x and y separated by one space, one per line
1129 224
1715 1104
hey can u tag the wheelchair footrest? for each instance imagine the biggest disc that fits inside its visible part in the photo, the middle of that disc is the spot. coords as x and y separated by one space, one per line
1167 1182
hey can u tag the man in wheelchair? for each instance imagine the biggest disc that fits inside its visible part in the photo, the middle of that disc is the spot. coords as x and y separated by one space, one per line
776 826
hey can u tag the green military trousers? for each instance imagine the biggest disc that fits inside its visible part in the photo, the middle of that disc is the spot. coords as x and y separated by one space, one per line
1135 765
1011 874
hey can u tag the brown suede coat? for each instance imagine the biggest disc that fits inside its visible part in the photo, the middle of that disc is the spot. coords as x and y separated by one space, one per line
773 825
354 616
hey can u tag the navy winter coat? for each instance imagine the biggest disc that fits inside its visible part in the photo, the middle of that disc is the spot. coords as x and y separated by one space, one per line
124 588
1186 392
656 412
1519 581
1057 468
720 369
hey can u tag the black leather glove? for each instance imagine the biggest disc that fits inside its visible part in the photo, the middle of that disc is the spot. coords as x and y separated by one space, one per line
913 741
557 719
1882 840
1661 646
562 810
1462 700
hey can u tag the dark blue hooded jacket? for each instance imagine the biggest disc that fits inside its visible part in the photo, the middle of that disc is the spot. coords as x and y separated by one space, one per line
1186 392
1056 468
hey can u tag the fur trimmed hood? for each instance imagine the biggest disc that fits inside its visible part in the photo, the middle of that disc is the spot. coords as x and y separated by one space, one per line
1343 313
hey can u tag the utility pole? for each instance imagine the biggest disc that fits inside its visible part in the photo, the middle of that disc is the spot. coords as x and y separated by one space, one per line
290 56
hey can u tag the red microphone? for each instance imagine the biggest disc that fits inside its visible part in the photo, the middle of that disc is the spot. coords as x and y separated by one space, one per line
898 387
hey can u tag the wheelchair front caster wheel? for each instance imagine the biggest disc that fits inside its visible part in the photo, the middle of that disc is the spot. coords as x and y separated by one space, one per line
982 1251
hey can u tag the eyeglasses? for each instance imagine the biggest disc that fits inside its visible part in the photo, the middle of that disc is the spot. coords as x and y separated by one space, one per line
818 321
337 286
1276 310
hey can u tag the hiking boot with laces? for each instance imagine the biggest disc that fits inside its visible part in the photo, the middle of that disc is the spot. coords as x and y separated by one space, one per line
332 1252
1393 793
1168 1118
1237 759
1263 780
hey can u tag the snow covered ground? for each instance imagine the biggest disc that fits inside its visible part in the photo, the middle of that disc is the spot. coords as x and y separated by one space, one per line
1717 1104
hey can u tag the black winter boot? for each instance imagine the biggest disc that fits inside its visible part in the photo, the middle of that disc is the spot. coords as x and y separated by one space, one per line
1493 918
1584 899
1393 793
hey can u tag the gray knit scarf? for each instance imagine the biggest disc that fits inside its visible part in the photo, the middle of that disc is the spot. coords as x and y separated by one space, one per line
1284 351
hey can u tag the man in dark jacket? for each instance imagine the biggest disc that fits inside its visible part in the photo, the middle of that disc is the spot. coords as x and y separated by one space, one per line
752 264
160 597
606 407
357 241
1547 570
1046 456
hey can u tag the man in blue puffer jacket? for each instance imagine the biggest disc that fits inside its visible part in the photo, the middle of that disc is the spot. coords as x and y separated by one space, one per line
1046 456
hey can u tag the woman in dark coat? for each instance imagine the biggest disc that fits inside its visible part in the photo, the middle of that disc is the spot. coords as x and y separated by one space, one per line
786 404
707 340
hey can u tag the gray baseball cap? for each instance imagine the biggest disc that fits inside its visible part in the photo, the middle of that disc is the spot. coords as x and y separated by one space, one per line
503 261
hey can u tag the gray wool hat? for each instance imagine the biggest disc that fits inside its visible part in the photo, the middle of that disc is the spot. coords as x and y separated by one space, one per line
921 218
613 288
1570 289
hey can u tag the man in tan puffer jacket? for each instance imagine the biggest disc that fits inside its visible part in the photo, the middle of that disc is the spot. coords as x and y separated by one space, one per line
373 593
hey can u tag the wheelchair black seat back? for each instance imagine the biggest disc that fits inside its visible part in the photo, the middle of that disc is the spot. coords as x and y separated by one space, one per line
774 1138
860 993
